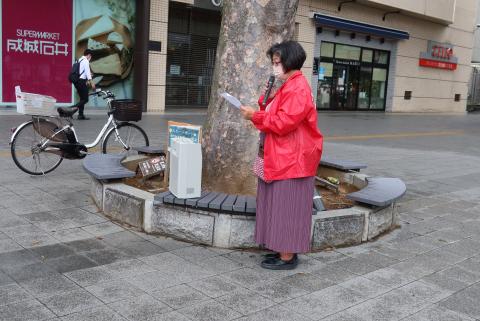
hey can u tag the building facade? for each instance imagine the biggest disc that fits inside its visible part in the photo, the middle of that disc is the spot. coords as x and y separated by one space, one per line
376 55
362 55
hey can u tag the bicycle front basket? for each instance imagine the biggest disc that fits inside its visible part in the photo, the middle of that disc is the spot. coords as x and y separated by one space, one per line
127 109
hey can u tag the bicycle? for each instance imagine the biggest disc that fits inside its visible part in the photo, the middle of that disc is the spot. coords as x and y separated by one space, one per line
39 146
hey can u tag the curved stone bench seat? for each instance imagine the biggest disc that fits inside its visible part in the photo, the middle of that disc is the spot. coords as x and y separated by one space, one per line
106 166
380 191
212 201
341 164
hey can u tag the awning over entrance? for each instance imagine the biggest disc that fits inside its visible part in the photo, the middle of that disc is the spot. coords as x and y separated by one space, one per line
361 27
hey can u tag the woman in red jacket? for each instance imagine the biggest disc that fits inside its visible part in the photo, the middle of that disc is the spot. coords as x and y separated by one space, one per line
291 147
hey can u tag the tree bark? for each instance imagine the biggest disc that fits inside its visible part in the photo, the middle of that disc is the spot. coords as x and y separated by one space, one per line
230 143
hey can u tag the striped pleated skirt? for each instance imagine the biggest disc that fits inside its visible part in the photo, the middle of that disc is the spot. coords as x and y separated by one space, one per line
284 214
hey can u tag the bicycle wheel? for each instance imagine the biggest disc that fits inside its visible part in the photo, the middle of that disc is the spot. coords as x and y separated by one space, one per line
28 155
129 134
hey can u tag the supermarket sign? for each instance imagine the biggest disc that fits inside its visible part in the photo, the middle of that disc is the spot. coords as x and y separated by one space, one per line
36 48
438 55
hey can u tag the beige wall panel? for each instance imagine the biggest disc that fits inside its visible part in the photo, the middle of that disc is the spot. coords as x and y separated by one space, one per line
428 88
308 47
157 69
467 4
411 47
325 5
437 9
306 30
159 32
414 46
428 105
441 9
463 54
409 67
432 31
464 19
307 72
156 98
159 10
363 13
417 6
460 38
303 10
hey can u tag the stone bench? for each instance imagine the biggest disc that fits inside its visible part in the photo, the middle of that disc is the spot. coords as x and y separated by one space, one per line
106 166
343 165
379 191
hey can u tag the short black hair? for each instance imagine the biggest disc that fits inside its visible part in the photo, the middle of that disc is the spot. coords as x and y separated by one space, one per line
88 52
291 54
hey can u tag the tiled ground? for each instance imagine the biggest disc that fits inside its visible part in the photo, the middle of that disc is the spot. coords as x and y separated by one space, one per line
61 260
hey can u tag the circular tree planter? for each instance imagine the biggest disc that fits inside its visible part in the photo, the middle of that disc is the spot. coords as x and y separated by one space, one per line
331 228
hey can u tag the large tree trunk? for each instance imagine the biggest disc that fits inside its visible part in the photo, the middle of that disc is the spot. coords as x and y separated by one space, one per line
249 28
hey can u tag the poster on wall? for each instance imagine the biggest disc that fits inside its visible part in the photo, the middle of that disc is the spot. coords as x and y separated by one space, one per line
36 48
41 40
107 27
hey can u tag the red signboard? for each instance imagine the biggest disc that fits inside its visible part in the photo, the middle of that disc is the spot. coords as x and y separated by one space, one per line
37 48
437 64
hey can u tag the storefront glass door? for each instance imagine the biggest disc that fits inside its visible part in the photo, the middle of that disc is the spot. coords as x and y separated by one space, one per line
351 78
345 86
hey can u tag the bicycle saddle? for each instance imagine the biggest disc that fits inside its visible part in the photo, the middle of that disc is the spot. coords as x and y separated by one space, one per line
67 111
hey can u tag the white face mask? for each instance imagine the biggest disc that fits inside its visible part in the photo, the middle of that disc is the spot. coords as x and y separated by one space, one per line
278 70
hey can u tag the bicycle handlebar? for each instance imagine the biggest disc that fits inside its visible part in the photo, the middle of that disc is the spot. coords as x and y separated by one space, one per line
105 93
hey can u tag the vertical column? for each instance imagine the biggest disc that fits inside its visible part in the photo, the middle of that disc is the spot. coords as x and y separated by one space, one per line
157 55
306 36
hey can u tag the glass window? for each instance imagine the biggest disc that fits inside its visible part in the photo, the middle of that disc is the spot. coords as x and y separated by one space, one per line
364 87
379 74
367 55
327 68
347 52
191 54
323 94
324 85
381 57
326 49
379 82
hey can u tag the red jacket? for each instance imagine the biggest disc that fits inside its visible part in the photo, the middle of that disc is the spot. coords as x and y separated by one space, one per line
293 142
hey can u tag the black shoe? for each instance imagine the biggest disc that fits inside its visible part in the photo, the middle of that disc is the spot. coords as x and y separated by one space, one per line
274 255
279 264
82 117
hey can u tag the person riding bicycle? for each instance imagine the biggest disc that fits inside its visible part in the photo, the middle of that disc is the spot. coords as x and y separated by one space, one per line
82 84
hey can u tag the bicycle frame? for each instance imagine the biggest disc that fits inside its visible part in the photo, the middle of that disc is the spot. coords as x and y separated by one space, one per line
102 132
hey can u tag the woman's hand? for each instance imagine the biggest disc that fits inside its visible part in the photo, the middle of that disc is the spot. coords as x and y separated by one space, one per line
272 92
247 112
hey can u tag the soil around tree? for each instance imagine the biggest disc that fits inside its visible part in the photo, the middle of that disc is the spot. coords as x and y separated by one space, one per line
334 201
331 199
155 184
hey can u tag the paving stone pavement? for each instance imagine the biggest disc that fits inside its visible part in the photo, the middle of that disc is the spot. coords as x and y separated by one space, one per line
62 260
